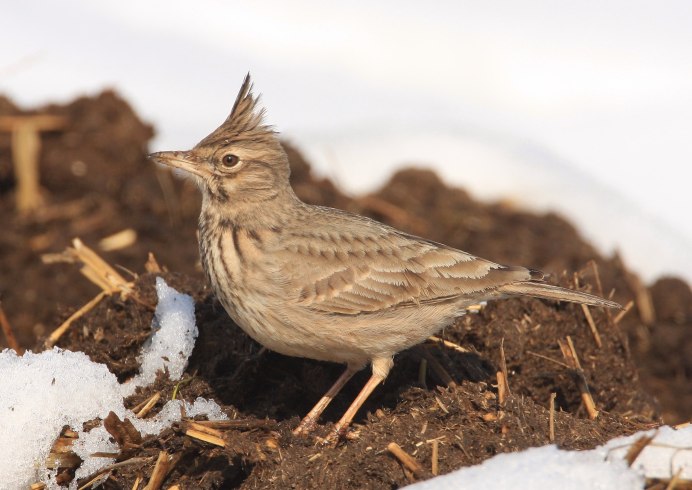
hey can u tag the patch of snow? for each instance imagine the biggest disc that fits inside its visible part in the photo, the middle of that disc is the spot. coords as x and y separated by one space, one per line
40 393
172 412
540 468
670 451
202 406
173 340
602 468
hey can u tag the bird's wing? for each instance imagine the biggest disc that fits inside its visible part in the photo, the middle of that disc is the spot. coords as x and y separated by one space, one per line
368 267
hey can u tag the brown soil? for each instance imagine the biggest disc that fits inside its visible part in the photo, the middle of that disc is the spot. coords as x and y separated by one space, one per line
97 181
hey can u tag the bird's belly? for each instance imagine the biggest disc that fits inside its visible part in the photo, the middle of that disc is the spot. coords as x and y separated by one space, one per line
272 326
354 339
385 333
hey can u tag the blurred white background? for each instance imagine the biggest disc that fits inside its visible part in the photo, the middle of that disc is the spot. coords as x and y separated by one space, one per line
582 107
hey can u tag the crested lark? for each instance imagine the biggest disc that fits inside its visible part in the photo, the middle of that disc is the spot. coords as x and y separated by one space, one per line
316 282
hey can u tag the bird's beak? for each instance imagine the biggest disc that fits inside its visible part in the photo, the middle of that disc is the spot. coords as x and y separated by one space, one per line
183 160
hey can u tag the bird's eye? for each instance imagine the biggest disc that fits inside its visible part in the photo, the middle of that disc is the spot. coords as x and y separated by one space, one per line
230 160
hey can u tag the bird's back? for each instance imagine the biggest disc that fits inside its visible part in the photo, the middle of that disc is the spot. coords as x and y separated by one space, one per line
340 263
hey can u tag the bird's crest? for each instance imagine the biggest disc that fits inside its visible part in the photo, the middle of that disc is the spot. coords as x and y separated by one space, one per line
245 121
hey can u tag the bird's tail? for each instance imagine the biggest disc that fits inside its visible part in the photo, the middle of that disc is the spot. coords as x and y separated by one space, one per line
557 293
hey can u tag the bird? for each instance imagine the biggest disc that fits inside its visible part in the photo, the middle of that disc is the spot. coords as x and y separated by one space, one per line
320 283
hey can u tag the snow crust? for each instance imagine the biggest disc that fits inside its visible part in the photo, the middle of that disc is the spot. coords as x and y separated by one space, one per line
173 340
40 393
545 468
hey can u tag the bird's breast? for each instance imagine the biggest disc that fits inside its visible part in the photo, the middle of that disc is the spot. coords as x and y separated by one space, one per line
234 259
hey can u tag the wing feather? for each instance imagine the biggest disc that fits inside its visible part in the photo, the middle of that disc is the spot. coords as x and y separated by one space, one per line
360 266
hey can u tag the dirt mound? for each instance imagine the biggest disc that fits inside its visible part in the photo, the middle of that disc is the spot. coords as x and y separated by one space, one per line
96 182
269 392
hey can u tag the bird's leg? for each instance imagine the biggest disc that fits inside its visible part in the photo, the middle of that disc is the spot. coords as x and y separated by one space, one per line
380 369
308 423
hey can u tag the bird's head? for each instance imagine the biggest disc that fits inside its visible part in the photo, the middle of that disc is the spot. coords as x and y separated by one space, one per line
241 162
